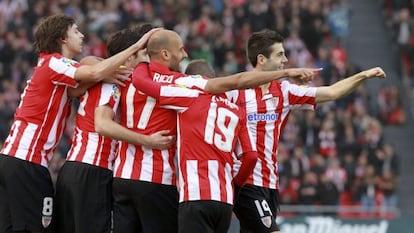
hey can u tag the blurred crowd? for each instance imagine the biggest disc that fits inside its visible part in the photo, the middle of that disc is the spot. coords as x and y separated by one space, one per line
335 155
400 21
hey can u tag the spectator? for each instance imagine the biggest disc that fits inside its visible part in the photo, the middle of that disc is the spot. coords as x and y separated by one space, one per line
368 191
403 24
388 186
309 128
336 173
391 111
318 164
348 163
308 189
391 160
339 18
290 135
326 136
299 163
287 191
328 193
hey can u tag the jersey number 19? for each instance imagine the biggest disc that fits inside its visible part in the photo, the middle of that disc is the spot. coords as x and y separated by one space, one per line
216 118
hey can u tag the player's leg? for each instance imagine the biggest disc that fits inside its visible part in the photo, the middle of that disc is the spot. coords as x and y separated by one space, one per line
125 215
5 215
274 202
158 207
63 216
256 209
29 191
83 198
221 216
204 216
92 198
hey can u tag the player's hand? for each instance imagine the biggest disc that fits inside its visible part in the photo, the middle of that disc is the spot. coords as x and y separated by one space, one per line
161 140
142 43
143 56
121 75
374 72
303 75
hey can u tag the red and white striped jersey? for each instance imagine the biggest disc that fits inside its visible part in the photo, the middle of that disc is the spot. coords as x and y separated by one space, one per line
266 116
143 114
40 119
88 146
209 127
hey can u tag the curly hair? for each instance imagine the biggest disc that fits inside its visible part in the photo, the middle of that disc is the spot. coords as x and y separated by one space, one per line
50 31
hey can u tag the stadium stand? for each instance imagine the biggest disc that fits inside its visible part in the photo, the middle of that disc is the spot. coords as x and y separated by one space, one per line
338 149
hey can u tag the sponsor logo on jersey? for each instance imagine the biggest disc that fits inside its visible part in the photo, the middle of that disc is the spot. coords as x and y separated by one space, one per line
68 61
179 85
262 117
116 93
195 76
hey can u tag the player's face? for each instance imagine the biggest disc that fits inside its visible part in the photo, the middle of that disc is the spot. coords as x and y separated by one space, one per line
177 53
277 58
73 41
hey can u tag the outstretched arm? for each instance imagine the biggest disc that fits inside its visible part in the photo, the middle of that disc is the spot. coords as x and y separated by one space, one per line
346 86
256 78
106 126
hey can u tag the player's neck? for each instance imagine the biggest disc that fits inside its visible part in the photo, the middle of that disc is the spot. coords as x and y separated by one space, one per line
66 52
161 62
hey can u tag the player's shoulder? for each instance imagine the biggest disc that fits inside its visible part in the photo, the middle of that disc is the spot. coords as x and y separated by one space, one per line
191 81
55 60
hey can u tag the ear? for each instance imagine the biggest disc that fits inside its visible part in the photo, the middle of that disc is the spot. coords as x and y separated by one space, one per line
165 54
63 40
261 59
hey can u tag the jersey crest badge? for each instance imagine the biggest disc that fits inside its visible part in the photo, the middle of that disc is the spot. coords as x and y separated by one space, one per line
267 221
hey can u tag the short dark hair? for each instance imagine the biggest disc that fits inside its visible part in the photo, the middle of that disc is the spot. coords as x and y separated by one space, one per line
200 66
50 31
260 43
124 38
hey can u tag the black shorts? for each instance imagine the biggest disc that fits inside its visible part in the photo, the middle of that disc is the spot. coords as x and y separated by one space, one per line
145 207
83 200
204 217
26 196
256 208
